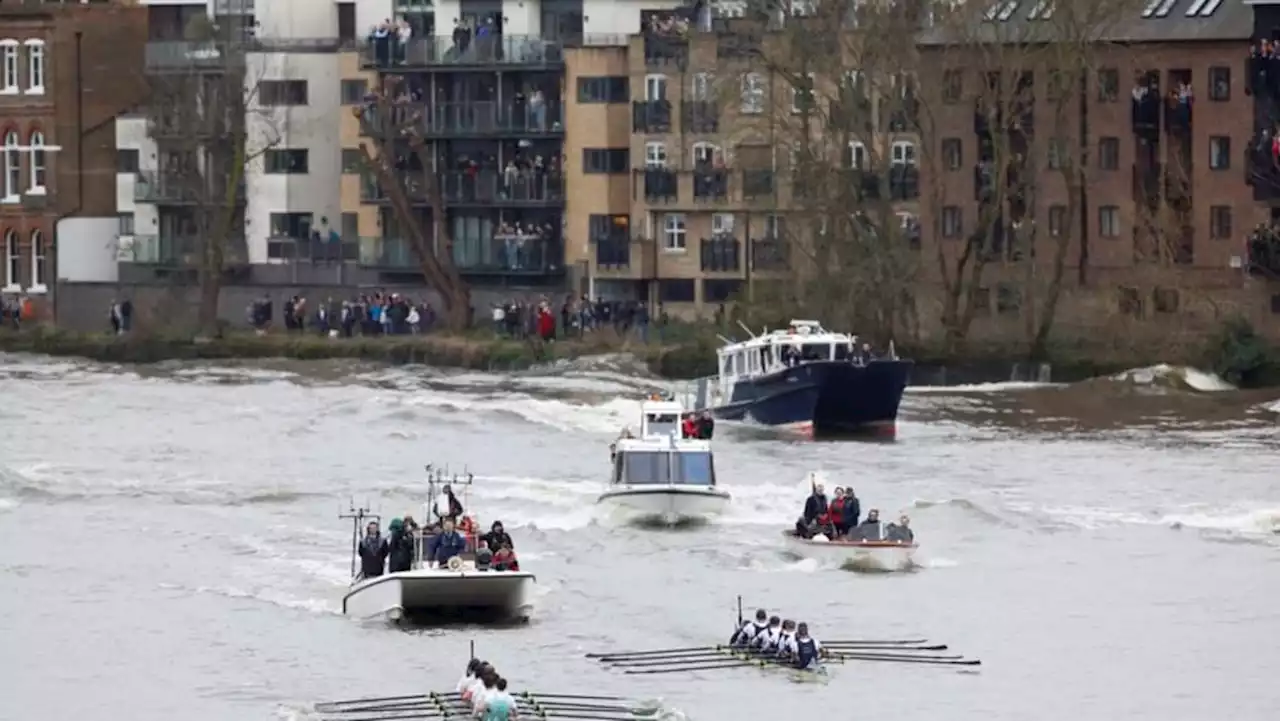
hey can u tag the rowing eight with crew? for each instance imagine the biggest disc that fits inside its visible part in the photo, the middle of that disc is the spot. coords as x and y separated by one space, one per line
785 640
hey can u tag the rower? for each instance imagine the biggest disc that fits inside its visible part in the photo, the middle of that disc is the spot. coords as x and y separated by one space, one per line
747 632
807 649
473 666
786 646
501 706
488 687
477 683
767 641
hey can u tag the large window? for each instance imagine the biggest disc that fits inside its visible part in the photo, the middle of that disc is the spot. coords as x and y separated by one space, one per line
692 469
646 467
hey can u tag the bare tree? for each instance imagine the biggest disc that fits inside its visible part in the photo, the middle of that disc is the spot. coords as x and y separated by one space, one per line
209 123
405 172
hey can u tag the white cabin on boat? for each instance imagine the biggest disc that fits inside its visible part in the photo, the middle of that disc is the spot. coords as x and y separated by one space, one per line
659 455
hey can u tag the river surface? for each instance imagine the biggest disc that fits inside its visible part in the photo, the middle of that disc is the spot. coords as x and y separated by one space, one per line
169 546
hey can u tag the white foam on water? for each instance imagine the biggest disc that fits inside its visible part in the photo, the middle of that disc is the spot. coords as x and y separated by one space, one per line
8 504
270 596
1246 520
1163 373
999 387
608 417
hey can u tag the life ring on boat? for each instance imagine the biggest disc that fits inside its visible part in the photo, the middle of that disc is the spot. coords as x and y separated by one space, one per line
455 563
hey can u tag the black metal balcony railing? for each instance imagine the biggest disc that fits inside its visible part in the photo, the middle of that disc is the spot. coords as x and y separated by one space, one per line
1264 254
488 50
311 250
1145 114
651 116
700 116
721 254
662 48
904 182
485 187
501 254
769 253
661 184
1177 117
711 185
613 252
758 183
490 118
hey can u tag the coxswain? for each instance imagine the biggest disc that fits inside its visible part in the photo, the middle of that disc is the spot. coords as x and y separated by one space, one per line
807 649
747 632
786 646
473 666
768 640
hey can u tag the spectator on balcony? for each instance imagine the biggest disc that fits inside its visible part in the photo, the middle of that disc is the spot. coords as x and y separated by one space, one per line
538 111
461 38
380 41
404 33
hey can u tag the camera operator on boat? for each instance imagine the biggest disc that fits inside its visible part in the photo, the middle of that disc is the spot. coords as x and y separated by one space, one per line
373 552
445 545
900 532
869 529
400 547
497 536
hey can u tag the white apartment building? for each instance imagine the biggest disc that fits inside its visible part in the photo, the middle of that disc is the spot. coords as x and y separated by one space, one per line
294 159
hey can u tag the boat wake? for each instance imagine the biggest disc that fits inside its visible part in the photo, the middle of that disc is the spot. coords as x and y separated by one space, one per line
1259 523
963 506
261 594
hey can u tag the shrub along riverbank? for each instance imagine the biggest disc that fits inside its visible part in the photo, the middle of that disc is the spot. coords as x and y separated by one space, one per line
1238 354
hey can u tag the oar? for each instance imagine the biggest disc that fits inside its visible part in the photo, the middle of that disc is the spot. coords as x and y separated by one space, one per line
727 663
915 659
466 714
323 706
886 647
931 657
860 642
656 652
462 706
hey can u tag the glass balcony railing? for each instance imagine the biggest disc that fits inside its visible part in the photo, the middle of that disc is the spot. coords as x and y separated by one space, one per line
529 50
500 254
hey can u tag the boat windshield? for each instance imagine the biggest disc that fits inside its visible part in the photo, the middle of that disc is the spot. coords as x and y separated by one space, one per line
662 467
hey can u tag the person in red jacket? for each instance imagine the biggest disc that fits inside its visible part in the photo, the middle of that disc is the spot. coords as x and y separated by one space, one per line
836 511
505 559
688 427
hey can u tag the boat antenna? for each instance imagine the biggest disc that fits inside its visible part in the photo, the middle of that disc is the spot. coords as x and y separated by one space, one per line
357 514
473 649
748 330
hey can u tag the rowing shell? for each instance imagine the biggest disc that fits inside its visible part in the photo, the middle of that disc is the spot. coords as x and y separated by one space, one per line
799 675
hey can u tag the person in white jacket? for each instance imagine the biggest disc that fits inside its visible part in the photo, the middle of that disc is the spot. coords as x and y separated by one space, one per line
747 632
767 640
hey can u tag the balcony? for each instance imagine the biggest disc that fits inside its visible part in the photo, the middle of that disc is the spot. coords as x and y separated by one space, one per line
711 185
1144 113
669 46
480 119
485 188
311 250
1264 254
184 56
1177 118
904 182
700 116
651 116
613 253
769 253
661 185
498 255
722 254
758 184
165 251
490 52
178 188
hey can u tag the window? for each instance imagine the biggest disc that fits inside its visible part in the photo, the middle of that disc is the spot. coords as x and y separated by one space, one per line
352 161
1220 84
646 468
655 155
705 153
39 262
1219 152
12 269
703 87
951 225
606 160
12 167
980 301
721 224
354 91
952 86
272 93
126 224
1059 85
350 226
1129 302
1108 85
1109 221
609 228
655 87
692 468
1057 220
286 162
126 161
802 94
1275 303
952 153
35 67
1109 153
677 290
1165 300
9 69
291 225
38 170
604 89
673 232
1057 154
902 152
1008 299
752 94
1220 222
857 155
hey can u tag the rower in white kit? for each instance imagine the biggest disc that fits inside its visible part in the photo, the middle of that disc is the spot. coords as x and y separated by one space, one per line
802 649
767 640
749 630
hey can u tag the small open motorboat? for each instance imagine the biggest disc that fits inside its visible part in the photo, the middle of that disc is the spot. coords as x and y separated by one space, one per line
460 588
870 555
661 477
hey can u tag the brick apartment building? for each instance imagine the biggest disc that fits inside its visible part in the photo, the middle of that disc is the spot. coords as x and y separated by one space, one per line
66 71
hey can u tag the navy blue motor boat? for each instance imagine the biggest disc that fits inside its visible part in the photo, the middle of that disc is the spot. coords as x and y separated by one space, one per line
807 379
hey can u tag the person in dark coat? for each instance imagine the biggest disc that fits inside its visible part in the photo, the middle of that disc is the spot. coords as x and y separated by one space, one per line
446 544
400 549
373 552
816 504
496 537
851 511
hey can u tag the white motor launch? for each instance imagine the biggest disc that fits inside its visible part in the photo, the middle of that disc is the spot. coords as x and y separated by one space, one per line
659 475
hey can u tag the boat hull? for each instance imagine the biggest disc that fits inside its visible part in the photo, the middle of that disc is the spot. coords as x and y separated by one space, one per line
668 505
868 555
830 398
440 592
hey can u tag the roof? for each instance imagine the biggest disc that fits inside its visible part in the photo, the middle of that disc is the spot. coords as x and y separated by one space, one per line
1155 21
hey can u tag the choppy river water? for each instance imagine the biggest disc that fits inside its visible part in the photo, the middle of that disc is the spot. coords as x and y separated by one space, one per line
169 546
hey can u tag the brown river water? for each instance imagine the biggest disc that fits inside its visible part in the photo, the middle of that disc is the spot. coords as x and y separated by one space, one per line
170 547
